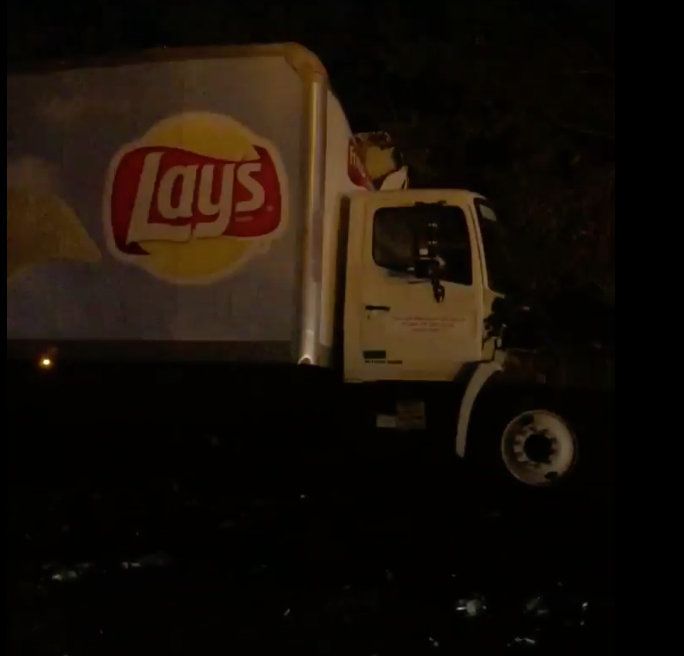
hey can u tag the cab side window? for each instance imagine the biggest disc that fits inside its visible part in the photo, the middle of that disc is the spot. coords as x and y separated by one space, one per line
401 236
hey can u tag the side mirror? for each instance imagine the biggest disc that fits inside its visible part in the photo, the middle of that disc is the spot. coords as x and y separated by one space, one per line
426 245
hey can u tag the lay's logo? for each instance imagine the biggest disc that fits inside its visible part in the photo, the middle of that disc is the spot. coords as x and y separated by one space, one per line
195 199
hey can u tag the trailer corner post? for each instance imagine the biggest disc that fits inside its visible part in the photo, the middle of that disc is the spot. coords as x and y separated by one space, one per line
312 247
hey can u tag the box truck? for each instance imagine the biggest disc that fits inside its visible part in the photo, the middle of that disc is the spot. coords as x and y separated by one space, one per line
212 208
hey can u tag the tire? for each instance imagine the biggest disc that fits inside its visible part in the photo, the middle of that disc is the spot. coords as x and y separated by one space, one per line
524 438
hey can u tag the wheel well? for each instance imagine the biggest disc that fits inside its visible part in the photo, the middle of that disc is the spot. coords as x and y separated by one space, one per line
497 388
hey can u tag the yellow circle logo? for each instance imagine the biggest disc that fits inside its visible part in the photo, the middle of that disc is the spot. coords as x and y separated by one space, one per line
195 198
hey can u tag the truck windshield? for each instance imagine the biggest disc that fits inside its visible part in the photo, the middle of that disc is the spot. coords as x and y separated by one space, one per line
496 247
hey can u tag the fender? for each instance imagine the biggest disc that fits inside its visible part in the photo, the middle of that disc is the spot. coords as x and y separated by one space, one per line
483 372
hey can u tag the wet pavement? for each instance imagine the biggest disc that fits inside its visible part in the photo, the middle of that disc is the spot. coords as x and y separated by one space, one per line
130 545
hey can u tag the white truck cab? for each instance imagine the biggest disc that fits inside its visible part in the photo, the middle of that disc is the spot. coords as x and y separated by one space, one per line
417 288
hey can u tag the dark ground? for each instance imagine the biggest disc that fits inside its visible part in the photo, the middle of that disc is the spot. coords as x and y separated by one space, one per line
151 539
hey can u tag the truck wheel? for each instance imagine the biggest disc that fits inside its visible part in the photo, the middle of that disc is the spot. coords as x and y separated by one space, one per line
538 448
530 442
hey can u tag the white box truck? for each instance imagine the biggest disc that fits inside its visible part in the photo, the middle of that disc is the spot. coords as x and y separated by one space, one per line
210 206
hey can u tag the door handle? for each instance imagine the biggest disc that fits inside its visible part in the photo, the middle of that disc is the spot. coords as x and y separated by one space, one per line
381 308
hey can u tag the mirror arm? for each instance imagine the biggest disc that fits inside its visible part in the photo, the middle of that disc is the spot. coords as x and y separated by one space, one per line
438 289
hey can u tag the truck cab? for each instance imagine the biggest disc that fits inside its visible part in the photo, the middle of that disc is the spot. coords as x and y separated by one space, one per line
419 284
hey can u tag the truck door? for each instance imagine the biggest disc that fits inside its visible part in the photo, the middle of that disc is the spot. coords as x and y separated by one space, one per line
414 307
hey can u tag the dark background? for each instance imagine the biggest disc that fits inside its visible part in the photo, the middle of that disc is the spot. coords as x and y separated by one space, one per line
126 538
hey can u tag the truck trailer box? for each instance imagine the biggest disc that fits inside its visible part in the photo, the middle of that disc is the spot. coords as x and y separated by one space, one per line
184 206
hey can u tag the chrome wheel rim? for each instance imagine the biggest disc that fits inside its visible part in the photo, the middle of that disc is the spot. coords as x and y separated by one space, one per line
538 448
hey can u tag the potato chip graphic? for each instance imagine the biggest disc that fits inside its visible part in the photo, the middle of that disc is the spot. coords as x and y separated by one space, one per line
42 227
